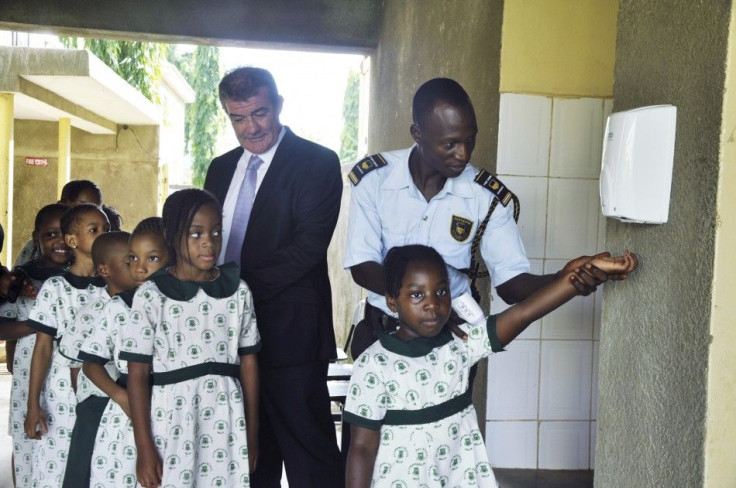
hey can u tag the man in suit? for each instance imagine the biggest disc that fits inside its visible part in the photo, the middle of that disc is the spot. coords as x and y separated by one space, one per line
281 198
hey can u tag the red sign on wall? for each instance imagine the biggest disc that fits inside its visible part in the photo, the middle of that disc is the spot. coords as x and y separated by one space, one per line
37 162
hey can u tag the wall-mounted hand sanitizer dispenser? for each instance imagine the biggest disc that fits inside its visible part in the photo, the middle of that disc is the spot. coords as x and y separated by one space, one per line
636 171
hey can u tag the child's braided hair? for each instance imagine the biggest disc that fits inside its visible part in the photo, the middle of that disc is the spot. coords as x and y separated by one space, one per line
150 225
398 260
178 213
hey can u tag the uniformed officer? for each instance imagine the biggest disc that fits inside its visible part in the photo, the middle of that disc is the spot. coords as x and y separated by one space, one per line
430 194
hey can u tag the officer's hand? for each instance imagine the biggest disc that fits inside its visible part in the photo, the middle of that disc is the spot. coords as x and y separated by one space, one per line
586 282
453 323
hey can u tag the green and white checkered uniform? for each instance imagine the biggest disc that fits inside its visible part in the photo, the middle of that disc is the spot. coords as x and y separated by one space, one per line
57 305
114 456
416 393
20 310
198 422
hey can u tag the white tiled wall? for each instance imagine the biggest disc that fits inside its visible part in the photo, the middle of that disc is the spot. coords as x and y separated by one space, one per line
542 392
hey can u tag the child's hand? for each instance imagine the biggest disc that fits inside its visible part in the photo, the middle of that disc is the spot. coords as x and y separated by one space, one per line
617 267
149 468
28 289
6 280
601 268
35 423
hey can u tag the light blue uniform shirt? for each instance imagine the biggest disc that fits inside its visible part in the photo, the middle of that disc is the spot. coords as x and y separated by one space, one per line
387 210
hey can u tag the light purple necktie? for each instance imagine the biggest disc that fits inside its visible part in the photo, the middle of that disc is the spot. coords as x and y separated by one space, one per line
241 214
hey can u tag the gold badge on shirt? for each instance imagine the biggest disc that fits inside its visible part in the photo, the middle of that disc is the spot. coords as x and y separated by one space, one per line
460 228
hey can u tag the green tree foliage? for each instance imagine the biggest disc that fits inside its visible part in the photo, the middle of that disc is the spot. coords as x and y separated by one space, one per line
138 63
204 120
349 136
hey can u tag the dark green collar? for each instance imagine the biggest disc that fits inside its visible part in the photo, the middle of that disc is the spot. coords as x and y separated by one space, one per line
127 296
223 286
82 282
415 348
36 272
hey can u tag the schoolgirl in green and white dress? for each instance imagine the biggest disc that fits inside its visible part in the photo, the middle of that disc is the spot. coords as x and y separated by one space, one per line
416 394
58 303
19 311
50 416
193 327
53 257
114 456
409 403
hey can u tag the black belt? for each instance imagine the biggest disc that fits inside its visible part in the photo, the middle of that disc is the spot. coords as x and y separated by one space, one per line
196 371
431 414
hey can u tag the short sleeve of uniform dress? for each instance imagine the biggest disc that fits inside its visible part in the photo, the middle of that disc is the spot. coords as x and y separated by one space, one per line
367 401
103 345
87 320
97 347
145 317
482 339
59 301
43 316
249 338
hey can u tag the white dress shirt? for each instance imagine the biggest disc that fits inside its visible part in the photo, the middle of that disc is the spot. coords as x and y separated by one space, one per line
387 209
228 207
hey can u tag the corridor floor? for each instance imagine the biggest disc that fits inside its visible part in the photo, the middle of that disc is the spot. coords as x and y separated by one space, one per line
507 478
530 478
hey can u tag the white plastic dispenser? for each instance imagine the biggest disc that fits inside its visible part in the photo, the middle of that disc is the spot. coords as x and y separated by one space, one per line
636 171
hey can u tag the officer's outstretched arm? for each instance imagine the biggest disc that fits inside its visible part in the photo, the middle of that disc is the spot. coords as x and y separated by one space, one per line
514 320
524 285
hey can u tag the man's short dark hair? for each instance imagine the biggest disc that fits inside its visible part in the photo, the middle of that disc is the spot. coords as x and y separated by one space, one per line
434 91
242 83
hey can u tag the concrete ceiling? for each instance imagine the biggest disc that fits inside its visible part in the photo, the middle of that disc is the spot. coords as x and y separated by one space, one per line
102 97
50 84
333 25
96 100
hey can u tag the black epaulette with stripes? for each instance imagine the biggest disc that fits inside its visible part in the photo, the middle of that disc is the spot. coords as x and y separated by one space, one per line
494 185
365 166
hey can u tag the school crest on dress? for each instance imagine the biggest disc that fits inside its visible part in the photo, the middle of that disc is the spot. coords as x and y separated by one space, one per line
460 228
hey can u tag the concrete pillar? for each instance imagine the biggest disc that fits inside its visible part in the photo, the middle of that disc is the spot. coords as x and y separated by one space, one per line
6 175
65 154
406 58
163 176
720 459
666 389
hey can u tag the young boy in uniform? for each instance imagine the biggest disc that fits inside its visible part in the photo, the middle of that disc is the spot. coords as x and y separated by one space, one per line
110 257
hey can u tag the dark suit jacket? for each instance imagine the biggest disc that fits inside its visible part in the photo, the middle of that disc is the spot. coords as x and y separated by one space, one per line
284 256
